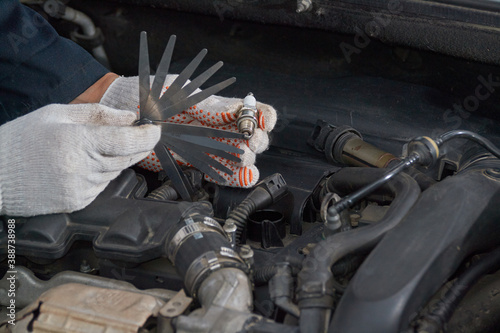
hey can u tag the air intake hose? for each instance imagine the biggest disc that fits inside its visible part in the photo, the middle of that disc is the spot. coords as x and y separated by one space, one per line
315 284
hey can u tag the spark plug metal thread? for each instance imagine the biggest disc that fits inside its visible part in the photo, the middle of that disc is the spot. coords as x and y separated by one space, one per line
247 118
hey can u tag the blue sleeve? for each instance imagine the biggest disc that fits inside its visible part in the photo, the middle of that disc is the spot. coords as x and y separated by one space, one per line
37 66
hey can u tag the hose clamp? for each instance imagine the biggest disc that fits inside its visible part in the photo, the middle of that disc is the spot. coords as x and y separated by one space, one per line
192 230
209 262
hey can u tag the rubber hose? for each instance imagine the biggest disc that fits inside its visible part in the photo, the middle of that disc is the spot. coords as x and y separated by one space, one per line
422 179
262 275
239 216
315 279
163 193
444 309
312 320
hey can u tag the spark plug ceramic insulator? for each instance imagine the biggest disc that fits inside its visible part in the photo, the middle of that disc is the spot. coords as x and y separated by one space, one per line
247 118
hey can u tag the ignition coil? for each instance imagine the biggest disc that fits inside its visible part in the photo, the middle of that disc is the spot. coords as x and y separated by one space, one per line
345 145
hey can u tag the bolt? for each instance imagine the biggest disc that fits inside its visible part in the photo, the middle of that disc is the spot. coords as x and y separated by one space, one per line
230 229
355 219
303 6
85 267
246 253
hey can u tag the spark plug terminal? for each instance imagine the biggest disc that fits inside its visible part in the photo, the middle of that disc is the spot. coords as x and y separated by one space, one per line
247 117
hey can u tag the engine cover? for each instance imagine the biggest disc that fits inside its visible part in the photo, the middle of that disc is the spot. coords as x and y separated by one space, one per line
121 224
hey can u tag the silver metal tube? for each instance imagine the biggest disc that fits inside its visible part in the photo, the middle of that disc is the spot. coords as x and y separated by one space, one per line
81 19
87 26
229 288
226 299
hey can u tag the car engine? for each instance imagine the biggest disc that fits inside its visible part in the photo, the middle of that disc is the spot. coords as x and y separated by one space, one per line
378 203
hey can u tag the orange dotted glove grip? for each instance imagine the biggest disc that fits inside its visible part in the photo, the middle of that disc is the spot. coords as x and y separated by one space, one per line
216 112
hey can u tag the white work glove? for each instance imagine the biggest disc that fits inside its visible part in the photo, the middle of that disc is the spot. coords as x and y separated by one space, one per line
216 112
60 157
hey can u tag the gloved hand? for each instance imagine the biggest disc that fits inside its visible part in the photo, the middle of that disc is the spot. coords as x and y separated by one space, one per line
60 157
215 111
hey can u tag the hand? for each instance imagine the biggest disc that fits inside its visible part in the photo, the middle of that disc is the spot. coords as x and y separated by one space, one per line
215 111
60 157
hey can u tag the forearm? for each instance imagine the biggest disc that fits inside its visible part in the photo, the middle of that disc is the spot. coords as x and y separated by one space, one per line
95 92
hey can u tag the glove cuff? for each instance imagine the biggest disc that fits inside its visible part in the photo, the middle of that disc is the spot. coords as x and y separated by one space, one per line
1 201
122 94
10 163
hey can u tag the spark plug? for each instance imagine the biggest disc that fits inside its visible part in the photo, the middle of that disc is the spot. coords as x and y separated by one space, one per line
247 118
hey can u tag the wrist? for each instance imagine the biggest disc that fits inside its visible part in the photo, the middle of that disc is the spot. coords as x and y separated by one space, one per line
95 92
122 94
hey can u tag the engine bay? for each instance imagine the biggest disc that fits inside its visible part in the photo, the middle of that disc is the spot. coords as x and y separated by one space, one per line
305 250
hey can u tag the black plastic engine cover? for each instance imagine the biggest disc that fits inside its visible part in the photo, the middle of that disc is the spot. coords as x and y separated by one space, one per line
452 220
121 225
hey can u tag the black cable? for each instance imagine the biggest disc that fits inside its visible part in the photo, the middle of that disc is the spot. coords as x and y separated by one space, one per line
239 216
435 321
463 134
266 192
349 200
352 198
